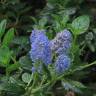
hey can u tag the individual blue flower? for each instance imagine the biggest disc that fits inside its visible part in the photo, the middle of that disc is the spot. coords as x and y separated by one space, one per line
40 49
62 63
35 33
62 42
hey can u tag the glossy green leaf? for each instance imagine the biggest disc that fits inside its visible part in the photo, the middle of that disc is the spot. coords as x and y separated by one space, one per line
80 25
8 37
5 55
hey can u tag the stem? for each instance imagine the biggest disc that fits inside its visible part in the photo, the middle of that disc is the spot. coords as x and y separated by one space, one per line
41 87
43 80
32 91
52 84
77 69
75 39
73 49
13 59
7 73
29 82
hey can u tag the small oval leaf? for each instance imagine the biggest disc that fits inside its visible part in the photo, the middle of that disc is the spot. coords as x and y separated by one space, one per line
26 77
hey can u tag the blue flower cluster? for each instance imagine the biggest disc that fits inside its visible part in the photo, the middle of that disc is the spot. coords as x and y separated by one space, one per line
61 45
62 63
62 42
41 49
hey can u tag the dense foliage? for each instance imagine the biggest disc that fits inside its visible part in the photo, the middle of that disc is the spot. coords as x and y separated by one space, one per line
47 48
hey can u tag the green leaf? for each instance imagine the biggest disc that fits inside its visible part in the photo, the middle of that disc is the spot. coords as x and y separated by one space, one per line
2 27
21 40
12 89
65 20
26 77
80 24
5 56
70 11
42 22
78 84
73 85
25 62
14 79
8 37
12 67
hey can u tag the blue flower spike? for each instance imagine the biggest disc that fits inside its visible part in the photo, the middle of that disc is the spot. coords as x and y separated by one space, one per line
40 48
